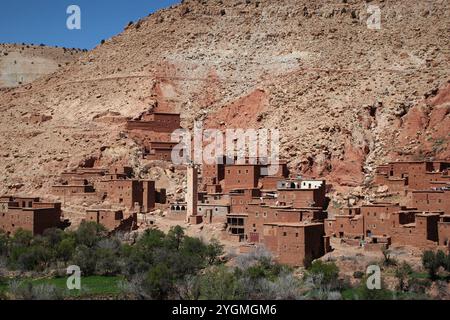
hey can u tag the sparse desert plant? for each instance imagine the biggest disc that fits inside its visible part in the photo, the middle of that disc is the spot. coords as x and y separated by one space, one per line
402 273
220 283
188 288
245 261
324 273
387 259
430 263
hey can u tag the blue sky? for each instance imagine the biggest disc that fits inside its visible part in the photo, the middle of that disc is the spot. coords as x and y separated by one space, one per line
44 21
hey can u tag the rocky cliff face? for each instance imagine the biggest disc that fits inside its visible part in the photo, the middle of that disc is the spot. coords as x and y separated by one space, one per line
345 97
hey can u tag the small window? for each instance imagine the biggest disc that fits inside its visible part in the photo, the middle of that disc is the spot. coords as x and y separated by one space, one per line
284 234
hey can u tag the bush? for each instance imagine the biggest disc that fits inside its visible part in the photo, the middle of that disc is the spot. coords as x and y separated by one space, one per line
358 274
431 263
108 257
213 251
245 261
28 291
3 244
364 293
156 284
86 259
89 233
402 273
219 283
387 260
65 249
328 273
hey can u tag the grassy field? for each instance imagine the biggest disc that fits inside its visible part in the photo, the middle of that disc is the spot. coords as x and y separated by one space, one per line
90 286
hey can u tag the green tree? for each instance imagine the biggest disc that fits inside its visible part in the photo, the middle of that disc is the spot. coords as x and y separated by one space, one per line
4 244
86 259
387 259
53 236
402 273
430 263
89 233
441 258
213 251
159 282
65 249
21 238
328 272
219 283
175 237
108 257
150 239
364 293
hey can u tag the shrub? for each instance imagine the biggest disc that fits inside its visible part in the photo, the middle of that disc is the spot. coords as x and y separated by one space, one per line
19 290
245 261
3 244
219 283
150 239
364 293
65 249
86 259
108 257
213 251
402 273
158 282
430 263
89 233
387 259
358 274
327 272
175 237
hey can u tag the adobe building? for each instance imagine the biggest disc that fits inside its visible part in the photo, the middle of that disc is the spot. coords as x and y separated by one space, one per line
225 175
178 211
213 174
130 193
241 198
90 174
213 212
112 220
302 193
241 176
29 214
295 244
421 232
159 150
153 131
432 200
115 185
235 228
404 176
155 121
348 224
386 223
259 214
